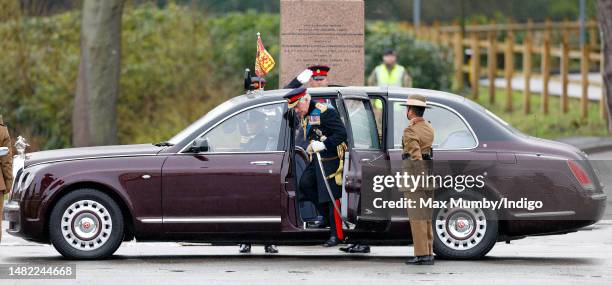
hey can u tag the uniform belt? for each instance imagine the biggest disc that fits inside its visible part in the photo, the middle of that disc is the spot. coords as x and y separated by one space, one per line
329 158
424 156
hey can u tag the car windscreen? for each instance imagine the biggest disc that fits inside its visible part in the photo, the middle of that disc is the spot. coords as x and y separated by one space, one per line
212 114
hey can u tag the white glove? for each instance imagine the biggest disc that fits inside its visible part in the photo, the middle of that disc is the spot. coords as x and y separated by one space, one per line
317 146
304 76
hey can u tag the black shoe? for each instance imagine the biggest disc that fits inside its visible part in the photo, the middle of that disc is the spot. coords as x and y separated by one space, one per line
347 248
270 248
359 248
421 260
245 248
332 241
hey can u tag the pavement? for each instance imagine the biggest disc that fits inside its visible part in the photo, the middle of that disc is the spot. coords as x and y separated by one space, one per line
574 88
589 144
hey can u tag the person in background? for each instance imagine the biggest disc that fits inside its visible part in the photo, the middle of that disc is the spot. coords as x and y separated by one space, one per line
6 168
389 73
313 76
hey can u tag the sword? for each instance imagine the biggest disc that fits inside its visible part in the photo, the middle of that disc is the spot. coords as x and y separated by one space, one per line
331 196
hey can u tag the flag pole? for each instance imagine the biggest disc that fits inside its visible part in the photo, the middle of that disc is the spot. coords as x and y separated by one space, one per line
259 77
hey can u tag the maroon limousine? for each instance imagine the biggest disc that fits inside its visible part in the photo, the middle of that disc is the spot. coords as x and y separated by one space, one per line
204 185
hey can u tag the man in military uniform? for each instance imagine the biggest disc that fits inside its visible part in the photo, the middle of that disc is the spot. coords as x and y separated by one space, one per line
323 128
6 168
313 76
416 160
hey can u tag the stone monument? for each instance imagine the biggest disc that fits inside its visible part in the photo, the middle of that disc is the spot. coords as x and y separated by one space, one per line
328 32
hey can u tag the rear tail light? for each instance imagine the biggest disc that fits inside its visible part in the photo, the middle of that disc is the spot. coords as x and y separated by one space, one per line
581 175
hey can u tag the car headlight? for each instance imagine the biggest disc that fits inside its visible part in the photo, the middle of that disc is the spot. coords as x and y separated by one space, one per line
24 180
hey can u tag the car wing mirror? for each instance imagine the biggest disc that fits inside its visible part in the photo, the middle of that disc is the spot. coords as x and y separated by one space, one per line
4 151
200 145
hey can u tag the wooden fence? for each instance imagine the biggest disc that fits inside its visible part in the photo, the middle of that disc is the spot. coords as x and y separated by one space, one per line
556 44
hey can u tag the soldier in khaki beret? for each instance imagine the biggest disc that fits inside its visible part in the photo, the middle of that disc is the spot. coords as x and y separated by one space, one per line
6 168
416 143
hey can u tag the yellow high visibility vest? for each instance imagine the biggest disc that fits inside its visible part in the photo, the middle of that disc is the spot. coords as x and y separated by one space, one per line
393 78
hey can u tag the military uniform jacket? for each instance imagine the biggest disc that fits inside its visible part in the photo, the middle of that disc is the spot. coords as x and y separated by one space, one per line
6 162
416 144
324 120
294 83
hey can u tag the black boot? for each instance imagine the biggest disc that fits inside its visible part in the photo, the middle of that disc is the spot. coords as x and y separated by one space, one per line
270 248
347 248
245 248
332 241
356 248
421 260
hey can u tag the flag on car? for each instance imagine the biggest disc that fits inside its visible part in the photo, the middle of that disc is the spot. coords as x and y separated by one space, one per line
264 62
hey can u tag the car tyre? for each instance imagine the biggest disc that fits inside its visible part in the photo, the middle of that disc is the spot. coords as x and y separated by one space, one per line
463 233
86 224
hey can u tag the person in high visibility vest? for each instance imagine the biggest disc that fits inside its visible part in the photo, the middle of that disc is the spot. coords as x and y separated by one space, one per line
389 73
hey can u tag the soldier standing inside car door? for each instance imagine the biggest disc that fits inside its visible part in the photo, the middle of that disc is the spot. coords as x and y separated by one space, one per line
416 160
323 128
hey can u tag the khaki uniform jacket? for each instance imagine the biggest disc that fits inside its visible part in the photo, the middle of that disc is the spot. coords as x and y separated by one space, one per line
416 141
6 162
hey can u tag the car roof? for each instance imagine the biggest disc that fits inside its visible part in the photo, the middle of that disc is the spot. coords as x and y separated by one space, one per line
392 92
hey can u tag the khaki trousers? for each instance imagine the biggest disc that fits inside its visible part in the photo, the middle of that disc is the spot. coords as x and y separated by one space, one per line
1 212
420 223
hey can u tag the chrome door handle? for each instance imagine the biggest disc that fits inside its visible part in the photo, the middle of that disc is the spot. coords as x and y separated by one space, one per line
146 176
262 162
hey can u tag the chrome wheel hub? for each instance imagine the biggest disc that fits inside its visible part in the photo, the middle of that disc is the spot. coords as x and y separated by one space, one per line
461 229
86 225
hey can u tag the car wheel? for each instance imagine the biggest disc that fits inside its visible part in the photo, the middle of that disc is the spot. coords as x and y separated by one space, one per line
86 224
463 233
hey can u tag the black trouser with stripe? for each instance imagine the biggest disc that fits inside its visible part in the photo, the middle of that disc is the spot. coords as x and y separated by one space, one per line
309 186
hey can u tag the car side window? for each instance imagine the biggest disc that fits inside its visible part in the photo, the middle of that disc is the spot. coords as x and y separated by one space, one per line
450 131
363 124
254 130
379 109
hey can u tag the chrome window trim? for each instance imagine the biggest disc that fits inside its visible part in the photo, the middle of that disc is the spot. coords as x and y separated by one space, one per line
213 219
229 152
225 119
90 157
452 111
545 214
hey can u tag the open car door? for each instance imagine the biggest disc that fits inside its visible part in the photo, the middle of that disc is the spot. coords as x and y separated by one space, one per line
366 156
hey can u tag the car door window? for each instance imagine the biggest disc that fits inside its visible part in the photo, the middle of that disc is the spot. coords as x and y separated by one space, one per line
363 124
379 109
450 131
254 130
